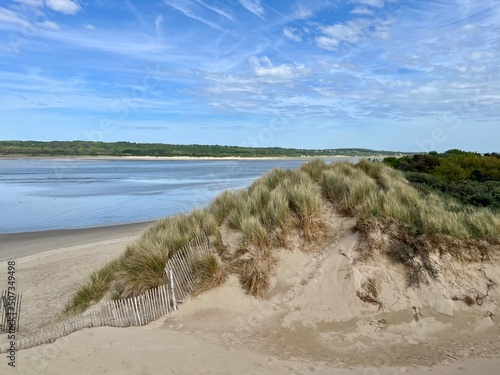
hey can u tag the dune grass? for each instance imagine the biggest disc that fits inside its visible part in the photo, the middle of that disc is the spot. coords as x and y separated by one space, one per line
275 204
304 198
94 290
210 272
255 270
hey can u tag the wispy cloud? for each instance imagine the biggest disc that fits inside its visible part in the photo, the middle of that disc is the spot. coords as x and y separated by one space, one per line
49 25
63 6
351 32
11 17
215 9
359 65
362 11
32 3
185 9
371 3
292 33
158 23
264 69
253 6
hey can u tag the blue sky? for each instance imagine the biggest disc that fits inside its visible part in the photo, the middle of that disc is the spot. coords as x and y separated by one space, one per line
384 74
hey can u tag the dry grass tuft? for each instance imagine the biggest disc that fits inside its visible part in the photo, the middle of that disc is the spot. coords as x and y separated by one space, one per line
305 200
254 233
315 169
256 270
210 272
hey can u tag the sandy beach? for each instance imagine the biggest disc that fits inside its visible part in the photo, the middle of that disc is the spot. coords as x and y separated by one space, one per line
305 325
109 157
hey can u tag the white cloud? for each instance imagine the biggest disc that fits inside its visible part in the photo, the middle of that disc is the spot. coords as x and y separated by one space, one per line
265 70
63 6
481 55
291 33
362 11
253 6
303 13
383 29
49 25
90 27
350 32
183 7
231 84
371 3
215 9
9 16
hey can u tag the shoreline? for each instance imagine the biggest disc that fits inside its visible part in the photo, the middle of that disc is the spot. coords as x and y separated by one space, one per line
17 246
110 157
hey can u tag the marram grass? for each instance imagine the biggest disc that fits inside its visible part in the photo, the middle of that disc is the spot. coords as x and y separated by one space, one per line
273 205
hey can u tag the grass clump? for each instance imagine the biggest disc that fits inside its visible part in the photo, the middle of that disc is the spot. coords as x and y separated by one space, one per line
258 198
305 200
210 272
314 169
223 204
254 233
240 211
277 213
92 291
256 270
347 188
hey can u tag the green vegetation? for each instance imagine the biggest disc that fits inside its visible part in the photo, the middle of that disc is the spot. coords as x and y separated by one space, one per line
88 148
470 178
210 272
411 225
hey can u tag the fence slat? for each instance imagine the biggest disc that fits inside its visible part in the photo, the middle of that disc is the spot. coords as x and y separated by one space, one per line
134 311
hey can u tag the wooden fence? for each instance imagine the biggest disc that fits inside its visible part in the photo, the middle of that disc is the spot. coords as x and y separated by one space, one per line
135 311
180 264
10 311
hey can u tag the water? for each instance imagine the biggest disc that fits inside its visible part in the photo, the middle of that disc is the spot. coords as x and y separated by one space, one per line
43 194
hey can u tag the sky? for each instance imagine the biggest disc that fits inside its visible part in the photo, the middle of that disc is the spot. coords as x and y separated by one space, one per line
402 75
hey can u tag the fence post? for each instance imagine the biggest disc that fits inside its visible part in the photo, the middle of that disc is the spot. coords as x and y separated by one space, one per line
171 278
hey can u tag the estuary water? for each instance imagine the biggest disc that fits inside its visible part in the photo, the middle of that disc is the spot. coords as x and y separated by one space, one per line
45 194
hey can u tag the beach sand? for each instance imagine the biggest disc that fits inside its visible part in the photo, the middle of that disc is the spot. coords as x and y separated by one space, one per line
303 326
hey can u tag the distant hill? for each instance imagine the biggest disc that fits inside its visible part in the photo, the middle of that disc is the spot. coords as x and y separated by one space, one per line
88 148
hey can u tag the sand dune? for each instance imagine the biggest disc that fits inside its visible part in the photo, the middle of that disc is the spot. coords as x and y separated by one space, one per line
312 320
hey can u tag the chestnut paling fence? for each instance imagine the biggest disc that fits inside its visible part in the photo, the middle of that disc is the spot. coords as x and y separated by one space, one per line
10 311
134 311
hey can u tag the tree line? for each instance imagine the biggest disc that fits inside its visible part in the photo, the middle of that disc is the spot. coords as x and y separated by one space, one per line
469 177
89 148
